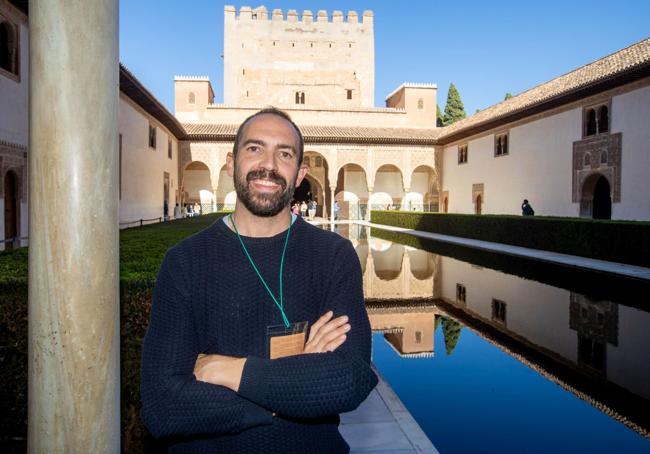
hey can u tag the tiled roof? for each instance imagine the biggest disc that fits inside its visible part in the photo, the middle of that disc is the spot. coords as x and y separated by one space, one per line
624 66
608 72
133 88
316 134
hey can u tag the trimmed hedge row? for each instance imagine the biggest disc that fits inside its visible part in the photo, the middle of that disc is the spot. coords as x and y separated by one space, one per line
141 252
615 241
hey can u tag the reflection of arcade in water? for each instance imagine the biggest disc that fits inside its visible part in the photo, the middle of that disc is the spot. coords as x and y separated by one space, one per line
597 350
397 283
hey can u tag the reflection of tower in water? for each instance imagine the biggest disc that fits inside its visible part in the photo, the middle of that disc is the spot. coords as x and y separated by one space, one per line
407 326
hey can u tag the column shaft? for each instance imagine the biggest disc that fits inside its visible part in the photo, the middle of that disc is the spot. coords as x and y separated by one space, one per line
74 398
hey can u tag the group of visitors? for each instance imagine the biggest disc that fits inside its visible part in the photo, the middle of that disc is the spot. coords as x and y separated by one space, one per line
189 210
305 208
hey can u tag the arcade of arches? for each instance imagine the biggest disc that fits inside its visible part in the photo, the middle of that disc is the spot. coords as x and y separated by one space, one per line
357 177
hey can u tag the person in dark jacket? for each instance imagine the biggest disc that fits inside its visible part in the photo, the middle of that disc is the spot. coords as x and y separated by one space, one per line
526 209
237 359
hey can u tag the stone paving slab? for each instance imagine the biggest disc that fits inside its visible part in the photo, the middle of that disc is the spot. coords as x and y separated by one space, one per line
383 425
623 269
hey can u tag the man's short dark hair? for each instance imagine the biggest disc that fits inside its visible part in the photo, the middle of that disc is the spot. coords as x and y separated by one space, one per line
271 111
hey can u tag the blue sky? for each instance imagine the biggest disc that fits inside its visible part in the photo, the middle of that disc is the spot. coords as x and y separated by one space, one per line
485 48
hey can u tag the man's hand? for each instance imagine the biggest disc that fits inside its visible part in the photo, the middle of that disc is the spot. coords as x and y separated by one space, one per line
326 335
220 370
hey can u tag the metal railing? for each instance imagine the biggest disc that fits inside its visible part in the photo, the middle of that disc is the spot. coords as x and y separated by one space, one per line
12 243
140 222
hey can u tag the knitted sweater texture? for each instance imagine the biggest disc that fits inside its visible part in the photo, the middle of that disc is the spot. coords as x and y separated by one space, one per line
208 299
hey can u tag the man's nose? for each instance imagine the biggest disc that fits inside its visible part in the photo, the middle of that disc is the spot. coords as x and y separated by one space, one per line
269 160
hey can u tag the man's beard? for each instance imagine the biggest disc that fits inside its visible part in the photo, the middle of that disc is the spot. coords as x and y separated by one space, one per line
262 203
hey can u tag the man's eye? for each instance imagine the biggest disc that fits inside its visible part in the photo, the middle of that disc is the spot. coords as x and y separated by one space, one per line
286 155
254 148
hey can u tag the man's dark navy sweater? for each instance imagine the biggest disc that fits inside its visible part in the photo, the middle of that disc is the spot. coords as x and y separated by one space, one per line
208 299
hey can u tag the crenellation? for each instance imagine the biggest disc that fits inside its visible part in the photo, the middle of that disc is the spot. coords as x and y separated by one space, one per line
261 13
368 17
192 78
245 13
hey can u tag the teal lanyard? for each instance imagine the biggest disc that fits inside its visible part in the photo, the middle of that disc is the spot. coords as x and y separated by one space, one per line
280 304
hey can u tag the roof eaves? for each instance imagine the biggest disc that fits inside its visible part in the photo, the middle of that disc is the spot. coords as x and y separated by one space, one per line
583 91
135 90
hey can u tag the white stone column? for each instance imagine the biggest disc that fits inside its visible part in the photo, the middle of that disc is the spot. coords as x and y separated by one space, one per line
370 188
332 206
74 387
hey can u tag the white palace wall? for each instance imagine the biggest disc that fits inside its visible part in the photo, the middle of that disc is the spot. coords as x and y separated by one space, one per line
538 166
14 123
142 168
630 114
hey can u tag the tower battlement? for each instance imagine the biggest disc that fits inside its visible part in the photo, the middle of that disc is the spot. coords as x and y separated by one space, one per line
246 13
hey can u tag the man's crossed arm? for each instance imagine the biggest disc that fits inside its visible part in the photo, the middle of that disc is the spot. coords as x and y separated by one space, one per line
326 335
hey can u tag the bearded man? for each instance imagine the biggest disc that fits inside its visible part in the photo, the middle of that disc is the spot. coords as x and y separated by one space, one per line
254 346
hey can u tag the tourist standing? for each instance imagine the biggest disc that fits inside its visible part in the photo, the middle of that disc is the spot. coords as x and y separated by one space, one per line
337 208
303 209
177 212
209 381
526 209
311 209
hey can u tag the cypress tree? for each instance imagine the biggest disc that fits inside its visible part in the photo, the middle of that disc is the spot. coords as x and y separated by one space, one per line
451 331
508 96
454 110
439 121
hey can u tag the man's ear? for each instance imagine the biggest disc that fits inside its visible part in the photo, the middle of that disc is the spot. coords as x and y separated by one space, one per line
302 173
230 164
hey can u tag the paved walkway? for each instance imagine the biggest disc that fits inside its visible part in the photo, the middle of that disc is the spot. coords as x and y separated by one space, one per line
383 425
622 269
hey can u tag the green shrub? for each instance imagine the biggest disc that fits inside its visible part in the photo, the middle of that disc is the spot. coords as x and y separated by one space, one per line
616 241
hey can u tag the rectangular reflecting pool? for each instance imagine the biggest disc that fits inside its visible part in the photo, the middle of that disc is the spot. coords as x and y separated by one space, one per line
492 353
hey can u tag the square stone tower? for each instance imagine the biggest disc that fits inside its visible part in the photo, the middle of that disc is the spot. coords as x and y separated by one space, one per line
307 62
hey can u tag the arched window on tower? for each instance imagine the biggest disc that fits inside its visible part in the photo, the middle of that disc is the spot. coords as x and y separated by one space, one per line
191 98
603 157
603 119
586 160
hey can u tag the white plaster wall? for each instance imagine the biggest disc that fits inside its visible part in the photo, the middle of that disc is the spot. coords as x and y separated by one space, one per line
14 118
355 181
390 182
628 364
535 311
537 168
420 182
143 167
629 114
196 181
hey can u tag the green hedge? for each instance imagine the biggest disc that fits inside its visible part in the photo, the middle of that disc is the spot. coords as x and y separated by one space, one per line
141 252
616 241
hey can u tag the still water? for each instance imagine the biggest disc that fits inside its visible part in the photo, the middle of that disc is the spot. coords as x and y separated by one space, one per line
492 361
